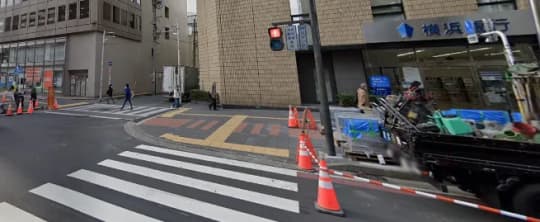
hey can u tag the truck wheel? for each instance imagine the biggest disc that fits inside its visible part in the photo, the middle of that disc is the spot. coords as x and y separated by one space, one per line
527 200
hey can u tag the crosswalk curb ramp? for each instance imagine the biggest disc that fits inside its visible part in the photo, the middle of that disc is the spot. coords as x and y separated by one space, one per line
273 188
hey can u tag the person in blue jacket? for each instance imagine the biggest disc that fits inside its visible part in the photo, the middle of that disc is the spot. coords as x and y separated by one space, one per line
127 92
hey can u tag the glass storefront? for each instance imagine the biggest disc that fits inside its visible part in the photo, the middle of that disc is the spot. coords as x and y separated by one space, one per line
33 63
459 76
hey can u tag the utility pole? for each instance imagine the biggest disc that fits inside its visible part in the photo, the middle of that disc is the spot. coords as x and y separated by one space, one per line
101 67
155 38
325 110
178 64
534 9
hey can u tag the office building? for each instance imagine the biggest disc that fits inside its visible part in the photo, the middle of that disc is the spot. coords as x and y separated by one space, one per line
361 40
59 43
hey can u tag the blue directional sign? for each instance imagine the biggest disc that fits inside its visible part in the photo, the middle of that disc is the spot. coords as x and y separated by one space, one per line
18 70
470 27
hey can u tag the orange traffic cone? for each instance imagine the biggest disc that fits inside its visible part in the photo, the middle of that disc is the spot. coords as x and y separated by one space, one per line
30 108
55 105
326 199
310 146
304 159
9 111
293 118
312 124
304 138
20 109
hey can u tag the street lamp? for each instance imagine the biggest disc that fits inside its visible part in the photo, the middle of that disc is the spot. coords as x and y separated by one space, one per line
105 33
177 33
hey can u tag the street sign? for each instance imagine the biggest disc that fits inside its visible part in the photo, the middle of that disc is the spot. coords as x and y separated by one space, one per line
470 27
303 37
473 39
291 37
18 70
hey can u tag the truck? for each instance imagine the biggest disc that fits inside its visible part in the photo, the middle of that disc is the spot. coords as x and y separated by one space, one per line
503 173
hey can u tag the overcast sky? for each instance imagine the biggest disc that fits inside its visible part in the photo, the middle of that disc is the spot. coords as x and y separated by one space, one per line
192 6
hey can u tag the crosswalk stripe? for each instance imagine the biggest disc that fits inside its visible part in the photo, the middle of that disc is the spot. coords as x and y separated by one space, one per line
11 213
88 205
155 112
175 201
79 108
237 193
127 111
270 182
146 109
224 161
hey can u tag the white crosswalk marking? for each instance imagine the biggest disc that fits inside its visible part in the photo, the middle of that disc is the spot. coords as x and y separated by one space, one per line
214 171
11 213
237 193
114 110
211 189
175 201
88 205
224 161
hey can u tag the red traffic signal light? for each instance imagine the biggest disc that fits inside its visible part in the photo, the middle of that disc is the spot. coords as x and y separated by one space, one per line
275 32
276 39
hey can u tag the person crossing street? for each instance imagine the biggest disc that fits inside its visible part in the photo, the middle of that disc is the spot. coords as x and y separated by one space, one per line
128 96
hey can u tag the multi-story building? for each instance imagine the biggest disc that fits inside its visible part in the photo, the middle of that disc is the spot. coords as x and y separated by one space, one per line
361 39
60 42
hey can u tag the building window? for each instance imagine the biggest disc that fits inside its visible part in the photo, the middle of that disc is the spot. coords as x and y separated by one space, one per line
23 21
51 14
15 23
32 19
116 15
167 33
41 17
72 14
106 11
61 13
7 24
132 21
84 9
496 5
387 10
166 12
124 18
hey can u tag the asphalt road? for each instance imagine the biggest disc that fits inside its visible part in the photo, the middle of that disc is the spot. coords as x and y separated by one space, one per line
65 168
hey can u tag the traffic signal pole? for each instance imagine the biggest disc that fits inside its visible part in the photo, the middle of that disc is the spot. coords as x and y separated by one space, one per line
323 97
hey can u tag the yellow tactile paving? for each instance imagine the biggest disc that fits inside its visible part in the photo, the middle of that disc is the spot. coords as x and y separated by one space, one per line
223 132
175 113
180 139
224 115
72 105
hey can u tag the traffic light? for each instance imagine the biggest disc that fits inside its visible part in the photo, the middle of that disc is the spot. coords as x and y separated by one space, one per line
276 38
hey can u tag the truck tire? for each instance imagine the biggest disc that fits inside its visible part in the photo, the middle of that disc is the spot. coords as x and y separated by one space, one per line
527 200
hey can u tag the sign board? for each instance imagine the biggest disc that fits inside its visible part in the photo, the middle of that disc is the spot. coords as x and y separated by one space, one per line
473 38
32 75
470 27
303 37
291 37
18 70
48 79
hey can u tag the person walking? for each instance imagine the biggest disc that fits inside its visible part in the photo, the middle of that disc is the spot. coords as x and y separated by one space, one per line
128 96
363 98
33 96
176 96
110 94
213 97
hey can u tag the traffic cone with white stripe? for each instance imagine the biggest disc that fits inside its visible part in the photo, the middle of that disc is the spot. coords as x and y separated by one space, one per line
20 109
304 159
293 118
30 108
327 201
304 138
9 111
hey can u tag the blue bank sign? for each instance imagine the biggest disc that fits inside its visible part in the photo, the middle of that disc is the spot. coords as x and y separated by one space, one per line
513 23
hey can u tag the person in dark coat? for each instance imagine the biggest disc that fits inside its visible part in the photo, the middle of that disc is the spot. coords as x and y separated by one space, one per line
33 96
127 92
110 94
213 97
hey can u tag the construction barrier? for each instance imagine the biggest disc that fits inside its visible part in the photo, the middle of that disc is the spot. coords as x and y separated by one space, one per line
427 195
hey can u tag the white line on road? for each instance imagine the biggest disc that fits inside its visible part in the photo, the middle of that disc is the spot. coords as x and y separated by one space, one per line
88 205
156 112
128 111
265 181
11 213
237 193
175 201
64 114
105 117
225 161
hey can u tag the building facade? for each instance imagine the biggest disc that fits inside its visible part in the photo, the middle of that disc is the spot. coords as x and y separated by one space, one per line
361 40
59 43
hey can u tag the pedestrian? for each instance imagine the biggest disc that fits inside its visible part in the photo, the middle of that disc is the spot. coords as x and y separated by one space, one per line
110 94
19 98
176 96
213 97
362 97
33 96
127 92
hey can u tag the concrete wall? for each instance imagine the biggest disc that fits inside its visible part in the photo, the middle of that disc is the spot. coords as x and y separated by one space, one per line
341 21
209 57
416 9
81 54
